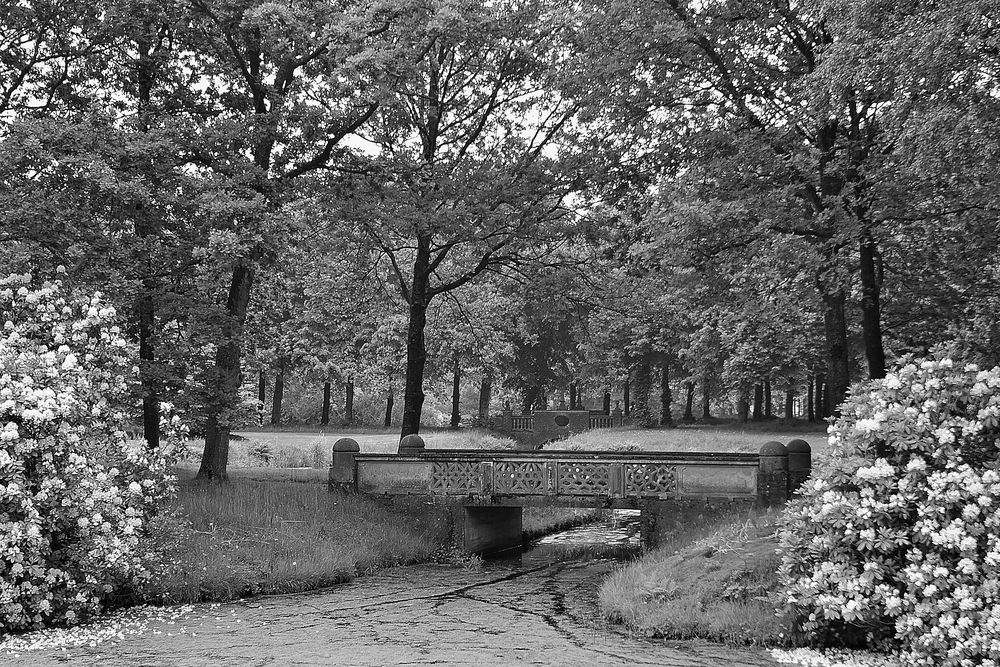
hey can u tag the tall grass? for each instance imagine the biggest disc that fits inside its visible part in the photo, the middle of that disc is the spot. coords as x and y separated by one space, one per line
716 582
223 542
245 538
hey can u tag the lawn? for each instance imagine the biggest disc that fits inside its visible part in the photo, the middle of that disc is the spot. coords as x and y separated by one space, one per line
724 437
304 449
289 449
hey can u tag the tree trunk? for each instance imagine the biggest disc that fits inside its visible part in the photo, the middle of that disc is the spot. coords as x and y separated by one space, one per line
768 409
225 386
606 405
572 395
758 402
349 402
838 361
531 396
150 385
819 398
810 401
743 405
666 398
790 402
261 395
145 227
325 418
389 400
485 398
416 351
278 394
626 397
643 382
706 402
871 310
456 388
689 402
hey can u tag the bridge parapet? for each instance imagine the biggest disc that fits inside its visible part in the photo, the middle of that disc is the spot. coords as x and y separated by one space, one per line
575 477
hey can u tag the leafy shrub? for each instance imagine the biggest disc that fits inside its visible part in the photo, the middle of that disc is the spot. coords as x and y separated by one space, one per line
896 539
260 453
75 493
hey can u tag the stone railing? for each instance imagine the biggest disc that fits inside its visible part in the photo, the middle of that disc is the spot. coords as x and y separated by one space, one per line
767 477
607 421
521 422
546 425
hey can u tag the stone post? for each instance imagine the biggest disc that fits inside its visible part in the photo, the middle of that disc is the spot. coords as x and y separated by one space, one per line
342 471
616 414
411 445
507 418
799 464
772 474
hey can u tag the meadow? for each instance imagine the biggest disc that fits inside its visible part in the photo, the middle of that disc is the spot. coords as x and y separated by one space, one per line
312 449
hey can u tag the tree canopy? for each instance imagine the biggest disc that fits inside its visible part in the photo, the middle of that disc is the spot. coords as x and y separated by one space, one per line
599 198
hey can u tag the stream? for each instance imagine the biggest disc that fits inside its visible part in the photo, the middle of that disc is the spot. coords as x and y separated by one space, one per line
537 607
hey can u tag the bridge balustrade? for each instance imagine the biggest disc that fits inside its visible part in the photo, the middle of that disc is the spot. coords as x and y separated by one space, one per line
554 474
521 422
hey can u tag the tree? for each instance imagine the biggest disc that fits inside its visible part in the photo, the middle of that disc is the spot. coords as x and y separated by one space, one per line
467 186
283 87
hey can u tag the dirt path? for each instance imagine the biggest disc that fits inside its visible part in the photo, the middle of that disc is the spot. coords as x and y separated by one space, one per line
427 614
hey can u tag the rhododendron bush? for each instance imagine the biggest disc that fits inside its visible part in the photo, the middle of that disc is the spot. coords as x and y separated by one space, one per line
897 535
75 493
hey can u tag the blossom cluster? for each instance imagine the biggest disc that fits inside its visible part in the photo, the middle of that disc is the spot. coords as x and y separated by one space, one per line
897 534
75 493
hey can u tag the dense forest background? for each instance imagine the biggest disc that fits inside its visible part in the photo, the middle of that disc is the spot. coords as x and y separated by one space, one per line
328 211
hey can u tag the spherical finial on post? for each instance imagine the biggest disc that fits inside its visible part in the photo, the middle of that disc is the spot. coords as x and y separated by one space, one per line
772 474
342 470
799 464
411 445
346 445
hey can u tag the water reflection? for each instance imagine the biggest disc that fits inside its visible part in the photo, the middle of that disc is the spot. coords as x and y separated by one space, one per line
615 537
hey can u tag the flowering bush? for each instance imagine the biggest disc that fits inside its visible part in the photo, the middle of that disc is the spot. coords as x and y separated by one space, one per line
75 494
897 535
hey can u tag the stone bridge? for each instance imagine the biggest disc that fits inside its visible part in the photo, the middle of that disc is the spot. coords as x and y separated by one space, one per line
486 489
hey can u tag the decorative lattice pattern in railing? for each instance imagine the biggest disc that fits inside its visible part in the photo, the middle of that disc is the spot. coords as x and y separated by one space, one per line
456 477
649 479
585 479
522 422
602 421
519 477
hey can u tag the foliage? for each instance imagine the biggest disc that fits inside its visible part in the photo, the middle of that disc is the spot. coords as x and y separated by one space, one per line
897 535
75 494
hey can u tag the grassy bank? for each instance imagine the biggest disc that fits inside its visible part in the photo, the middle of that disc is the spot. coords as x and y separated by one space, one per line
249 537
716 582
